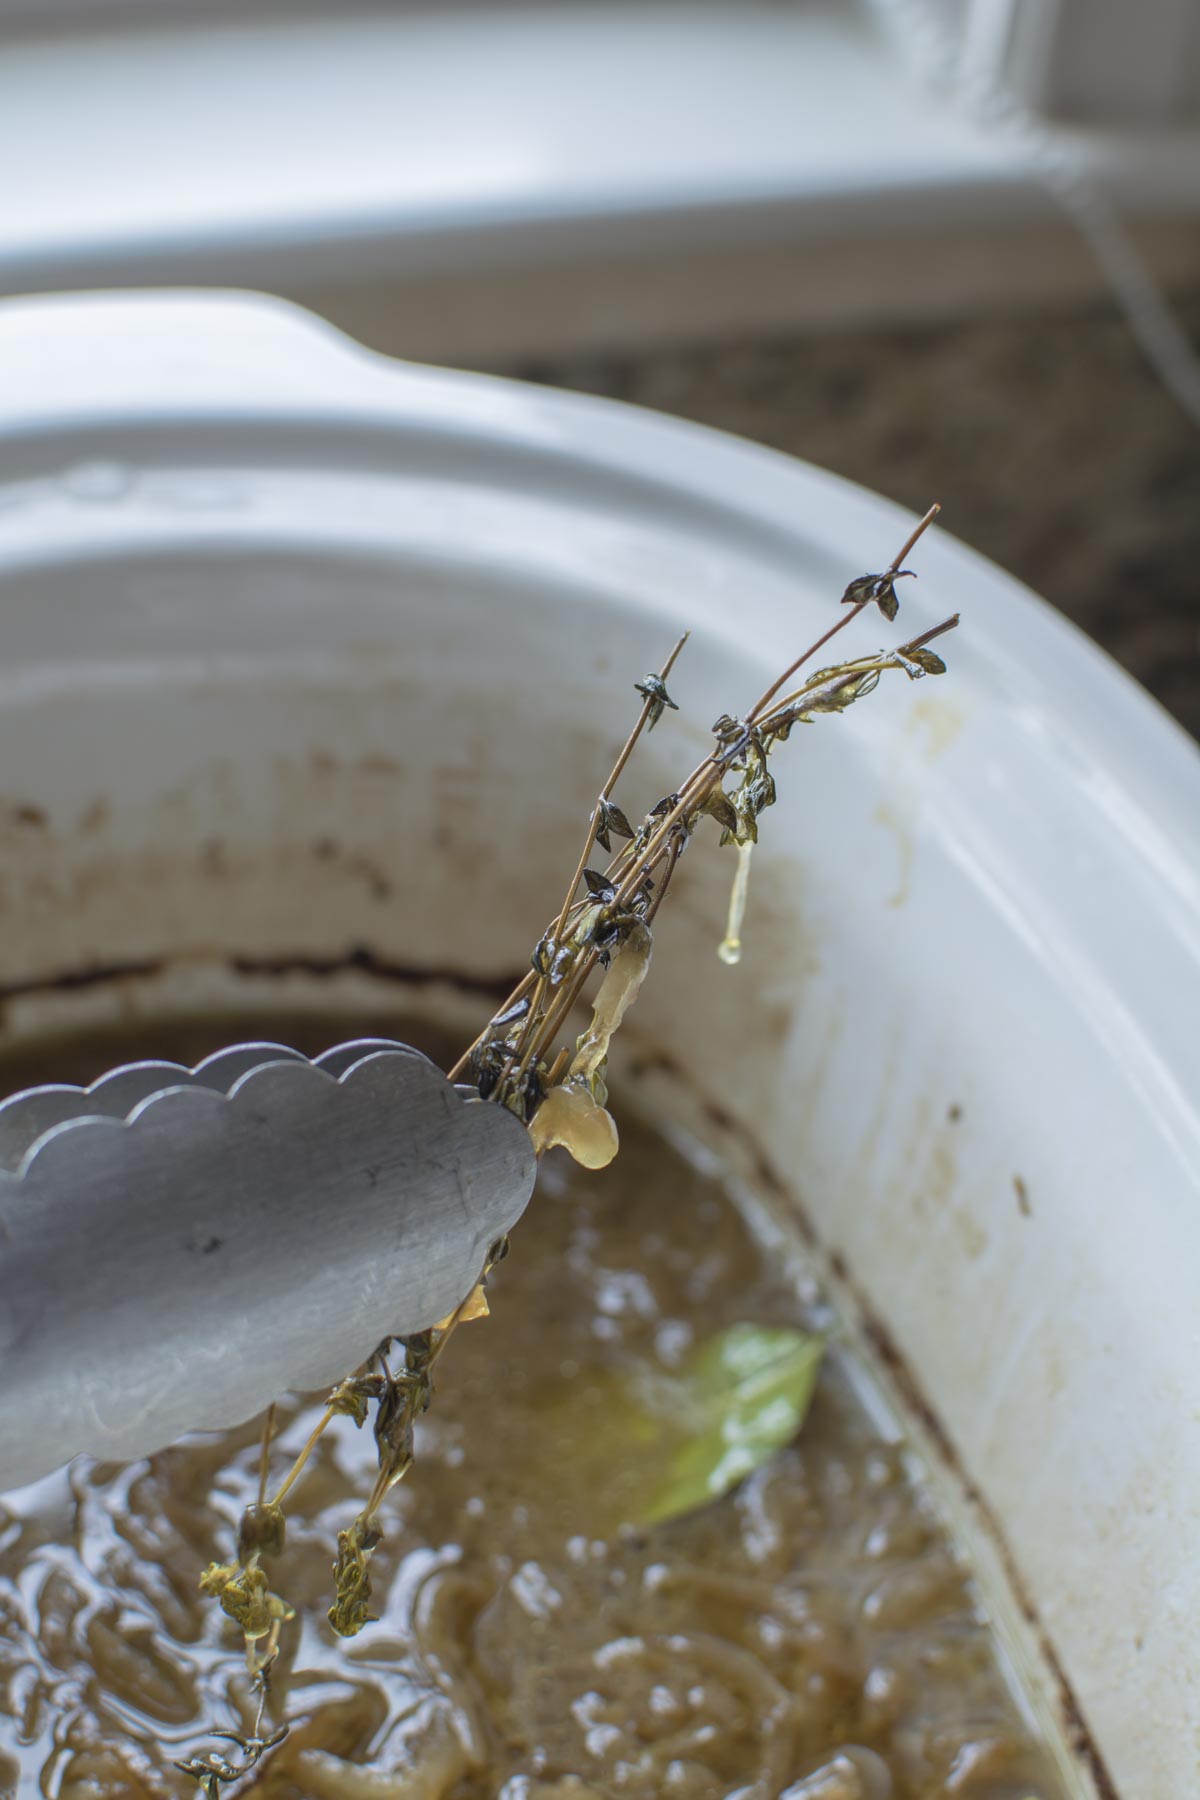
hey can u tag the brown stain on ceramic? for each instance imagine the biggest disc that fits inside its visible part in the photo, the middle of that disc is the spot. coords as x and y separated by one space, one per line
1071 1717
973 1237
359 959
935 723
931 726
94 817
892 818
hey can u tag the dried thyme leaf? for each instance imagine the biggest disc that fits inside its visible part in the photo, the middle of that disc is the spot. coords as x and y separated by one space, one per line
561 964
245 1597
654 690
720 806
542 953
879 588
351 1610
727 729
928 661
599 886
214 1579
610 818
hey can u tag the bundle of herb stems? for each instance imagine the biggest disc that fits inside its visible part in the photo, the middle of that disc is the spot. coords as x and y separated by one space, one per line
531 1019
513 1063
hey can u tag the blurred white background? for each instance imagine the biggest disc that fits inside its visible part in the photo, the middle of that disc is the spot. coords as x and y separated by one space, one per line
473 181
944 246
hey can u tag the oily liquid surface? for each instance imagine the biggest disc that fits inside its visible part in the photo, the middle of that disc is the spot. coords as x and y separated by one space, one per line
524 1648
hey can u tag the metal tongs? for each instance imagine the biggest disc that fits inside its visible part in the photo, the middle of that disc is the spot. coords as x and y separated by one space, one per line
179 1247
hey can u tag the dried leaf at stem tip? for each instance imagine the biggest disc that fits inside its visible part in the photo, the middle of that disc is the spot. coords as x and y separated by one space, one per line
653 689
879 588
928 662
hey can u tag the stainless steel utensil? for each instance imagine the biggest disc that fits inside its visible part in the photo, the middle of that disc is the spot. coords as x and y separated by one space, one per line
179 1247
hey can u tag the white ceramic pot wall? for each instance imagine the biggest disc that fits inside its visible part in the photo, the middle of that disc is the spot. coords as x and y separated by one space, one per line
311 664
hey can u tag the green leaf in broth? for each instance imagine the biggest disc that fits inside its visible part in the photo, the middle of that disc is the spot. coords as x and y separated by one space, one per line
646 1445
745 1393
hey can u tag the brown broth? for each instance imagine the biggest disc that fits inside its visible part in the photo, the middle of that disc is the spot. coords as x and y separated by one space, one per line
521 1654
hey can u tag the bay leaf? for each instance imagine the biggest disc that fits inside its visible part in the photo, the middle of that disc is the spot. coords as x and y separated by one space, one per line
745 1393
644 1445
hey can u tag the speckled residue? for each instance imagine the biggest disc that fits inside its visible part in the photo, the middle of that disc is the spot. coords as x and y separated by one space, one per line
893 814
934 722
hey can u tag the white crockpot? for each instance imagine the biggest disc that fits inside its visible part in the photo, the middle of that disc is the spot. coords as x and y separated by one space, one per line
311 666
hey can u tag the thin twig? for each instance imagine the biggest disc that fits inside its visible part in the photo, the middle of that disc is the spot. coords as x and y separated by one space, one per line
764 700
521 1054
298 1465
673 855
264 1459
914 538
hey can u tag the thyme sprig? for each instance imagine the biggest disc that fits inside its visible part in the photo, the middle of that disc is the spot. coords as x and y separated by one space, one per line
605 921
508 1061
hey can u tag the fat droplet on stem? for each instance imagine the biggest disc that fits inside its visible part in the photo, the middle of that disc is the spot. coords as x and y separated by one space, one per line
572 1117
616 994
570 1114
730 948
